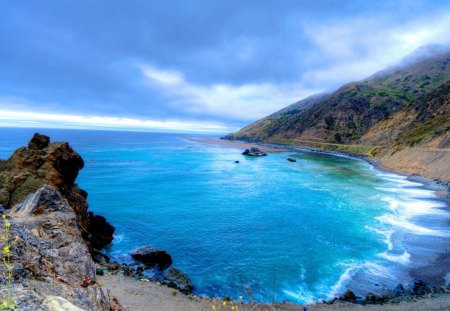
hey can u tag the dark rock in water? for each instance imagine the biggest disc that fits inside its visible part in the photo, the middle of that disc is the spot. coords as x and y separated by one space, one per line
419 287
348 296
174 278
375 299
39 142
50 257
399 290
254 152
236 161
101 231
152 256
55 164
291 160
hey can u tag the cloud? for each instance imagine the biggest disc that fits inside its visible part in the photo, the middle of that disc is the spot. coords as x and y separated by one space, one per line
11 118
355 48
245 102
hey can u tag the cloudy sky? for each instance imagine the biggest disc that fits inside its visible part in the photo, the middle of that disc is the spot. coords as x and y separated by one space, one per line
194 65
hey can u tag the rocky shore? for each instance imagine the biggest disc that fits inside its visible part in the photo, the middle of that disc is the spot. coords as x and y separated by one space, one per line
54 245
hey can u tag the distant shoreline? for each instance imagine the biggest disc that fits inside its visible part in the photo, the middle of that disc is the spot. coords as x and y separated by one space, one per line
427 272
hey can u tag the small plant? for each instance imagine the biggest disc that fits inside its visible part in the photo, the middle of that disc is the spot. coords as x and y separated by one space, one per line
8 243
174 292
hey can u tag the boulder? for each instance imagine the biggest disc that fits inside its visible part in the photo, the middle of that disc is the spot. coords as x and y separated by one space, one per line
291 160
348 296
175 278
55 303
151 256
254 152
55 164
50 256
39 142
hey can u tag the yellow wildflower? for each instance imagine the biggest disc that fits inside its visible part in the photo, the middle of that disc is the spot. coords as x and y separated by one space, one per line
4 216
6 249
224 303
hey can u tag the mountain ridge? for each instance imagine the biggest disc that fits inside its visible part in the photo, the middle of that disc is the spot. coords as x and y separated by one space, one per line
402 107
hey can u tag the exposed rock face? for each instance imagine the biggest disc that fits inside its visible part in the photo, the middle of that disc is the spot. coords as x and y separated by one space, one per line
151 256
175 278
55 164
51 258
254 152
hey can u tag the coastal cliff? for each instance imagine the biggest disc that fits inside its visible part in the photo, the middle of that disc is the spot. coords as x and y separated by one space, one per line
400 116
48 235
55 164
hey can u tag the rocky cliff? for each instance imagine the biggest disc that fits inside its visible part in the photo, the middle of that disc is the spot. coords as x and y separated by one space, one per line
55 164
52 266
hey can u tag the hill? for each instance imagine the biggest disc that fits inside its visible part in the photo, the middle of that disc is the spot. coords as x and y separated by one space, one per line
402 107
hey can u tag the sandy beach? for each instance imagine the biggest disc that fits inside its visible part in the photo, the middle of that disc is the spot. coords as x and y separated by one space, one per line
149 296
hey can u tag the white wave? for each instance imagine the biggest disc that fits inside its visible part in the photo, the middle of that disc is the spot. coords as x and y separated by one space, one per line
412 192
401 259
343 280
386 233
411 208
300 294
397 221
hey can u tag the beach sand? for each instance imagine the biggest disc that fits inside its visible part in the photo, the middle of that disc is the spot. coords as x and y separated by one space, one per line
148 296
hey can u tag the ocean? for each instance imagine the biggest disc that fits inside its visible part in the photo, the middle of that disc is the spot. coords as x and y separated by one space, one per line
265 228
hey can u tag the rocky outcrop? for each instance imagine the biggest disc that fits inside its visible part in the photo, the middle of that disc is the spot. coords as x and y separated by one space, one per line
50 257
55 164
175 278
152 257
254 152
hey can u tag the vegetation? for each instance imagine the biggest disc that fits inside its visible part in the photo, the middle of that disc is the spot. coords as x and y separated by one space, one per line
7 243
400 106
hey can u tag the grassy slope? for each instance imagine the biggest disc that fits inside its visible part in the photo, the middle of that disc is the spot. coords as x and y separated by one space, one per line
400 115
346 115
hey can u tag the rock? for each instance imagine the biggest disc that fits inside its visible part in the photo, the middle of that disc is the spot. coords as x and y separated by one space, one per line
39 142
254 152
419 287
55 164
348 296
175 278
236 162
399 290
151 256
374 299
101 231
291 160
54 303
100 271
50 256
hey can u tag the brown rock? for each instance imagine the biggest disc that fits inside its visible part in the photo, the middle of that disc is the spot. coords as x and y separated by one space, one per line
55 164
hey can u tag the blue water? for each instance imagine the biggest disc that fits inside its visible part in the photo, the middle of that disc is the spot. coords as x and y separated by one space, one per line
266 228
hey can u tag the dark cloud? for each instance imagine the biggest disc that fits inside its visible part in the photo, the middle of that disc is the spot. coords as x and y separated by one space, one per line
84 56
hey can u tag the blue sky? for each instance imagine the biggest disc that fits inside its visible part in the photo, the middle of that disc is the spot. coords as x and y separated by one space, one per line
194 65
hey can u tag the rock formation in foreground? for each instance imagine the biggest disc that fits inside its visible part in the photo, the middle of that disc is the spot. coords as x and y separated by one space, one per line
52 264
55 164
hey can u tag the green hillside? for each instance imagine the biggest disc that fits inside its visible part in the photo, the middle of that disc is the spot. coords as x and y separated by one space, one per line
355 113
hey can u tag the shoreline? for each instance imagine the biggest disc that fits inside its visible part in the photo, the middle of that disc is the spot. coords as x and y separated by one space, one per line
422 183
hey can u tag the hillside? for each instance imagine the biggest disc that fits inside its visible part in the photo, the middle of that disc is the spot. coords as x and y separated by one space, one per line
403 107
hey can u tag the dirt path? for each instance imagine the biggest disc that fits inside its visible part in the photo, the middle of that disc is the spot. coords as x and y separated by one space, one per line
147 296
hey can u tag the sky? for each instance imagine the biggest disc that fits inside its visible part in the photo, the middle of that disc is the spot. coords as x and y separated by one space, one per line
198 65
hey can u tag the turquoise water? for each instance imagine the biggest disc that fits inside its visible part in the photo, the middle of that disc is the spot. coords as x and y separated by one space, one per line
265 228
